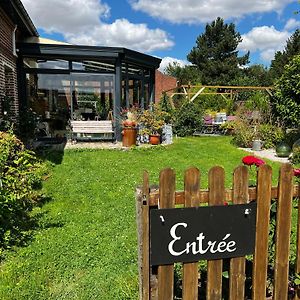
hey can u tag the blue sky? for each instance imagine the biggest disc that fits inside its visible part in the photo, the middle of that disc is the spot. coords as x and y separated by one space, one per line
166 28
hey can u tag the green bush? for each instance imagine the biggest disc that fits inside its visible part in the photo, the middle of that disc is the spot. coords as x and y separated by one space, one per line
20 178
296 156
244 134
188 119
271 135
286 103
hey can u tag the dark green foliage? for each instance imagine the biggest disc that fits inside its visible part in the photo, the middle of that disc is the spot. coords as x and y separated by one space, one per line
286 102
28 124
215 53
164 105
185 75
257 75
19 179
188 119
282 58
7 122
296 156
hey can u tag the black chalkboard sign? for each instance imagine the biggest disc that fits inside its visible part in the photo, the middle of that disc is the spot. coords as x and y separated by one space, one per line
193 234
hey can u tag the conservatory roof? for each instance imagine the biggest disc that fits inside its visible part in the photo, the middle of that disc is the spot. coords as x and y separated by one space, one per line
65 51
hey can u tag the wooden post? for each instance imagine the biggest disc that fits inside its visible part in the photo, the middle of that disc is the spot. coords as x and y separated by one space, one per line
259 276
237 265
142 211
283 231
297 267
216 179
192 199
167 200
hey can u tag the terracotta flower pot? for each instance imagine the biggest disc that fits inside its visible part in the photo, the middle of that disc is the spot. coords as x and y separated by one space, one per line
154 139
129 136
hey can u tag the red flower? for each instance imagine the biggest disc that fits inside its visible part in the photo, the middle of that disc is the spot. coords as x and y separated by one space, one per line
297 172
252 160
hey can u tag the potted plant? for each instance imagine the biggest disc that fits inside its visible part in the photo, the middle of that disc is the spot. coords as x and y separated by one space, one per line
129 124
151 124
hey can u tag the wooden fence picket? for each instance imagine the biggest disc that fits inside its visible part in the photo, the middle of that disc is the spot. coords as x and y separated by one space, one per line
283 231
237 265
259 275
190 270
166 200
216 187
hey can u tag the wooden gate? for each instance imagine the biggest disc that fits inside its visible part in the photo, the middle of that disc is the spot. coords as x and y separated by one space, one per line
158 282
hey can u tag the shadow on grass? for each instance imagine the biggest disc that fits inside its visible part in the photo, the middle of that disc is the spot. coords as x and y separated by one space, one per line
20 227
51 149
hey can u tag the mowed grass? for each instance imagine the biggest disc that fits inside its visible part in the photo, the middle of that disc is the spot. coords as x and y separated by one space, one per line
85 244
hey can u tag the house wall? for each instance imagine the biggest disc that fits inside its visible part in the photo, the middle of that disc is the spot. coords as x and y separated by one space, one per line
162 83
8 68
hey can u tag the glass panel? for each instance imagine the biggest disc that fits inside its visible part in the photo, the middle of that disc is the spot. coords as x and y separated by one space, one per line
93 66
57 64
49 95
92 96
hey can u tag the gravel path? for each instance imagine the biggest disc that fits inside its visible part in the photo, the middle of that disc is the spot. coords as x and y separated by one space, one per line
267 153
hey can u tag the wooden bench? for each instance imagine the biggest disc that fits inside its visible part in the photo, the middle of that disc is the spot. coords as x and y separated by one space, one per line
88 130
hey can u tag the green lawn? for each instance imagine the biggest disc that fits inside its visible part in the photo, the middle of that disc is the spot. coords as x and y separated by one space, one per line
85 245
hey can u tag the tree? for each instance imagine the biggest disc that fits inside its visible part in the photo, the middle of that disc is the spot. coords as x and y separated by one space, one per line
184 74
282 58
215 53
286 102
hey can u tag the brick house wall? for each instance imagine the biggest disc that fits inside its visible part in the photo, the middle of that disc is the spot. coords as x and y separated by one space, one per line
8 68
162 83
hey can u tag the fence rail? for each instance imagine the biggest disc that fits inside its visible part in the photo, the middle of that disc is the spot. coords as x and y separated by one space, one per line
157 282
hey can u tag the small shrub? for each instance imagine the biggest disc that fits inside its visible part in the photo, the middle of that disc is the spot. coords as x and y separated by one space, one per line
243 134
188 119
270 135
20 177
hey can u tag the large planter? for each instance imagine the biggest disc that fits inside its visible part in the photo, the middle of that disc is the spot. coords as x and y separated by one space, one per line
154 139
283 150
129 136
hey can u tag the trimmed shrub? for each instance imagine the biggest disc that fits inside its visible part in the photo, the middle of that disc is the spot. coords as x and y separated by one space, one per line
20 179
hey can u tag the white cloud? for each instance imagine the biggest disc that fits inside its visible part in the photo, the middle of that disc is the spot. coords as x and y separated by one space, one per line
201 11
170 60
66 16
292 24
83 22
265 40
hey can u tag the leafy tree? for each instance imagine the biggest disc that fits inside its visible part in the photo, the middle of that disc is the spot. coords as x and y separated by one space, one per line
286 103
185 74
258 74
282 58
215 53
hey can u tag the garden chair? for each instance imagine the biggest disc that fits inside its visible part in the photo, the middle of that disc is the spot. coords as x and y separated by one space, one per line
208 124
